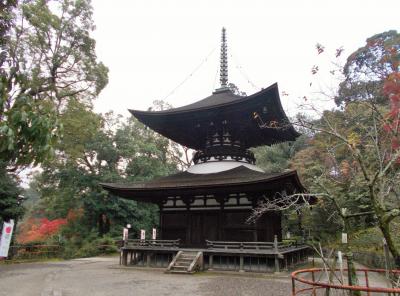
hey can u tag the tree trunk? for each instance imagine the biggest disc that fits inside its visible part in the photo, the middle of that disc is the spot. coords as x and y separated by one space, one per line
104 224
351 269
384 227
300 224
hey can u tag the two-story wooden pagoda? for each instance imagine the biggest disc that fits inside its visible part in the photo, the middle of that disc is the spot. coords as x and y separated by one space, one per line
213 199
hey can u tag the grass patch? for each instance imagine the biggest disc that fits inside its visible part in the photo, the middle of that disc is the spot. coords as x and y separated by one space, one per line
32 260
369 240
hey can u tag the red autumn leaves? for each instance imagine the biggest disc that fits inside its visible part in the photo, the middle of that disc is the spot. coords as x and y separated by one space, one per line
391 89
41 229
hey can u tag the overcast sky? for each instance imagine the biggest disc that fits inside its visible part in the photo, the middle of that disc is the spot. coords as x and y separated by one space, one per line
152 46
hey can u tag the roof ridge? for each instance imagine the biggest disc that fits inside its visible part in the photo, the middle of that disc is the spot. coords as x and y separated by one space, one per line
170 178
184 109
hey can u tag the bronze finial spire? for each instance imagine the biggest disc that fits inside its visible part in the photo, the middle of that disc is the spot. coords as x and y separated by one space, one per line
224 61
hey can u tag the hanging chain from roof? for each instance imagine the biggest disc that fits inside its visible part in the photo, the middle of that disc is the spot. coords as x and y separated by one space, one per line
224 60
241 71
215 79
191 74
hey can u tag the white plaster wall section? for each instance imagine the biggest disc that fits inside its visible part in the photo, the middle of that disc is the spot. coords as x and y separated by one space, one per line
198 202
212 202
220 166
179 203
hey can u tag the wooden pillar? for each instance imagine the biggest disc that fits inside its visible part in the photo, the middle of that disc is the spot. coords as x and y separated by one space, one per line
279 225
292 257
276 263
254 201
276 253
255 234
148 259
186 200
255 231
160 234
125 257
210 262
241 264
188 225
221 221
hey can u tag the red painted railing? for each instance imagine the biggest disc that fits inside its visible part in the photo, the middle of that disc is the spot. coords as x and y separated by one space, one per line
317 285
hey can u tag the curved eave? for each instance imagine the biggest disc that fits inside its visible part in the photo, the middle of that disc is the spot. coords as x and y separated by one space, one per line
183 109
144 192
178 124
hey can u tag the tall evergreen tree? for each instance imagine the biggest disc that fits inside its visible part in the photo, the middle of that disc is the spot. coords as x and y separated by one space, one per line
47 58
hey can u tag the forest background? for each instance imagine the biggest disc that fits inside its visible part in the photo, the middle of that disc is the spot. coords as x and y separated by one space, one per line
50 76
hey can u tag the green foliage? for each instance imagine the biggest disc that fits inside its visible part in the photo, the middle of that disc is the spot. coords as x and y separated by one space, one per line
48 58
6 22
327 166
367 68
353 161
370 239
276 158
233 87
106 150
92 246
31 197
9 196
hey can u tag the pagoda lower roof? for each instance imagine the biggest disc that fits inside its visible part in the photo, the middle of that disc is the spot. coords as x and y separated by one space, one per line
238 180
188 125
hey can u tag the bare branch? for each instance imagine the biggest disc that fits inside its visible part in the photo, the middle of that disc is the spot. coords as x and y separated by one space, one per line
281 202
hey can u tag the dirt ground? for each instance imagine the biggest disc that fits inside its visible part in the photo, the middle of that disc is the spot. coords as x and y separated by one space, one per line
103 276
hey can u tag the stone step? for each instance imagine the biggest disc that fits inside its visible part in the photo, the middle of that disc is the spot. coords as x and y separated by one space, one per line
187 257
184 260
181 272
180 264
179 267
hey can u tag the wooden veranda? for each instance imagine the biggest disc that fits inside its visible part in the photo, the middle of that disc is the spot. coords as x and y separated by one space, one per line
218 255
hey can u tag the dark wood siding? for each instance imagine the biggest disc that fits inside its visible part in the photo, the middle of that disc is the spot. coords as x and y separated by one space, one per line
194 227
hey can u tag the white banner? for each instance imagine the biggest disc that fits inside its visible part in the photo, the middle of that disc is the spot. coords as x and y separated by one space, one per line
340 258
142 234
154 234
344 238
5 238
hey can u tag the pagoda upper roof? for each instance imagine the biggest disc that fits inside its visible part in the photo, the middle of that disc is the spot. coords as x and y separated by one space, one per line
237 180
218 98
187 125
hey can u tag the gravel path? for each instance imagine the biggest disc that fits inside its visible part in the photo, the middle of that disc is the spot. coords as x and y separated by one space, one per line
246 286
103 276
